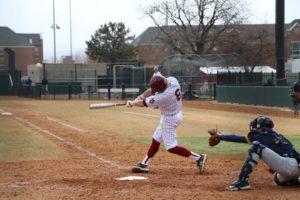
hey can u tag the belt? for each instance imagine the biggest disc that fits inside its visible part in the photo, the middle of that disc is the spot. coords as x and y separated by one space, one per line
170 115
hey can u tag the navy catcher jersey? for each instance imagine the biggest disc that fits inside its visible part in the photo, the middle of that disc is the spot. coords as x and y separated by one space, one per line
274 141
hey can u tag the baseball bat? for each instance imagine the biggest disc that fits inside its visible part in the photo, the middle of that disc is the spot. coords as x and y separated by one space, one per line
105 105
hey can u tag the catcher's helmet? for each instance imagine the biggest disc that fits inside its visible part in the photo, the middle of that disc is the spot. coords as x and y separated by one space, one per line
158 84
261 122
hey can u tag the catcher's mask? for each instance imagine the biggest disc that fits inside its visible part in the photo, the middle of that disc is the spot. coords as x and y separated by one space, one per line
295 93
261 123
158 84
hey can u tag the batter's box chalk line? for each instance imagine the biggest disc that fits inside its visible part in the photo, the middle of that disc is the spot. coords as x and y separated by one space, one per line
67 125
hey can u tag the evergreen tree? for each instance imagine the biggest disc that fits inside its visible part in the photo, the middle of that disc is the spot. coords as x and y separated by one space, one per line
111 43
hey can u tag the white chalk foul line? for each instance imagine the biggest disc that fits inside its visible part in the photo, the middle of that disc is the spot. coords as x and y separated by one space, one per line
142 114
67 125
76 146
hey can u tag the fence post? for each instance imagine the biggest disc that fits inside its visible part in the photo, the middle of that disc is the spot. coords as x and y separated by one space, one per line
69 91
123 91
44 70
227 77
215 91
108 91
96 79
190 91
89 92
40 91
54 91
240 78
75 72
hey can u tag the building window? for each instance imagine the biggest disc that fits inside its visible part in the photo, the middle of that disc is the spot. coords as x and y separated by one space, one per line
36 55
1 56
296 50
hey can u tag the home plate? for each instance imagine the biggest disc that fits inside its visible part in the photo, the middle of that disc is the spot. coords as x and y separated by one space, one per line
7 113
131 178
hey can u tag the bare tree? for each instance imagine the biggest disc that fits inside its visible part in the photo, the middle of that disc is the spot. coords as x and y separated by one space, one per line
194 22
255 46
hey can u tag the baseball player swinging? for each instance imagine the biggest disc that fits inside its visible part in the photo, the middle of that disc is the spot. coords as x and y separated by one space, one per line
266 144
165 94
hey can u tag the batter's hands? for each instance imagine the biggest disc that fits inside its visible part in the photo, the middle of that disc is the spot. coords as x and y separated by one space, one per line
213 140
129 104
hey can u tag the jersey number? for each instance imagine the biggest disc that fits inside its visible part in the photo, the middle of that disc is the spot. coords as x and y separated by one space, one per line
178 94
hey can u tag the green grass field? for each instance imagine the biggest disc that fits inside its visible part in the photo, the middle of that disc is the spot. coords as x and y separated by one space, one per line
19 143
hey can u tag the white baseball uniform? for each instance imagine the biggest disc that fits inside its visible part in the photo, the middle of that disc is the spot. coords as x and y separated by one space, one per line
169 103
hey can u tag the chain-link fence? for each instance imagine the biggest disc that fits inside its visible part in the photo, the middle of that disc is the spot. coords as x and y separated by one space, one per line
198 76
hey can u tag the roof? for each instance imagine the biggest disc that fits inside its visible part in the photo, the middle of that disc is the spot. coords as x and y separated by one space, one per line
153 35
235 69
8 38
35 38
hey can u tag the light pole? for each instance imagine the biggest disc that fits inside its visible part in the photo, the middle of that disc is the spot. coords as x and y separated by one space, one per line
71 51
54 28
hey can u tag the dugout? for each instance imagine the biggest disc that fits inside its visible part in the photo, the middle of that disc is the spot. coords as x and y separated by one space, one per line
10 77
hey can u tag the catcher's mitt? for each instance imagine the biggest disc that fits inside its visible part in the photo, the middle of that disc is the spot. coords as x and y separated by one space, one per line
213 140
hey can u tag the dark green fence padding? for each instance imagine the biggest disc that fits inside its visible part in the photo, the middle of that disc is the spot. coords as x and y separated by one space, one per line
255 95
5 84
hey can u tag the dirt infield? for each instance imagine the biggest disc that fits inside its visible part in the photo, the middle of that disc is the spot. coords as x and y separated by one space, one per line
99 151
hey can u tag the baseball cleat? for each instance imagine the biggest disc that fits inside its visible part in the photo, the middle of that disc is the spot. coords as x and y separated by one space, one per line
238 185
140 168
201 162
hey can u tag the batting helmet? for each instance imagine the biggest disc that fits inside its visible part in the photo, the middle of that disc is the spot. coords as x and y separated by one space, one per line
261 122
158 84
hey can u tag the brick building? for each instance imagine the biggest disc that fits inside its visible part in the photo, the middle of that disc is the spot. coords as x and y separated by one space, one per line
28 49
152 50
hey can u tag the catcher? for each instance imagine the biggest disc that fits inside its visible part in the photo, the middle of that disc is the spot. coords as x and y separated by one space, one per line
266 144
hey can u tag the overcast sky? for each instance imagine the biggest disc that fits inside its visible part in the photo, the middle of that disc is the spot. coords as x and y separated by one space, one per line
36 16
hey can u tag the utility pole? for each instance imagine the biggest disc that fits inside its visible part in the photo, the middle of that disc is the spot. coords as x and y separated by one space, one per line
279 34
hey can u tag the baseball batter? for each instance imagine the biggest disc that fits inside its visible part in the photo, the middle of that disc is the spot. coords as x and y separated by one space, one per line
266 144
165 94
